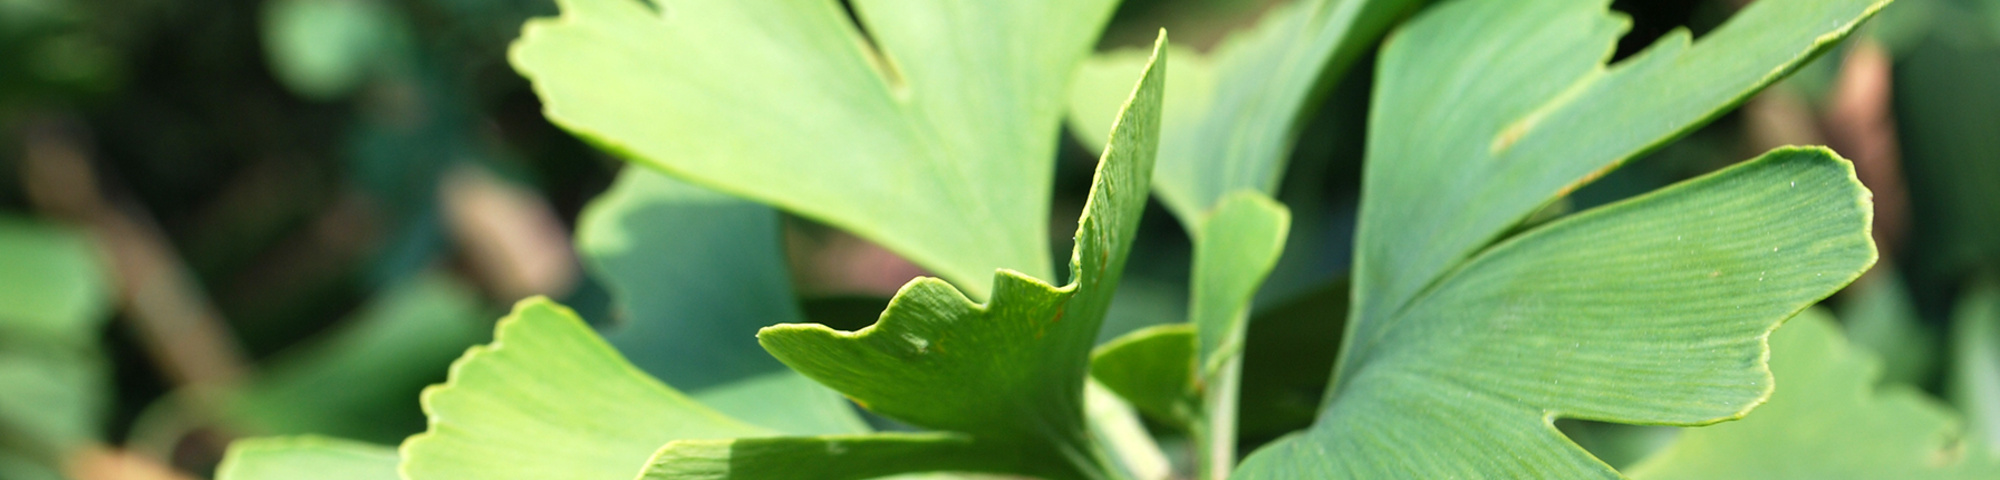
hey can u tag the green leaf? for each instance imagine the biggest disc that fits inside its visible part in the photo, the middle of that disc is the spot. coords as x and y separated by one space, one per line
1486 110
1009 373
1233 115
929 128
306 458
325 49
695 274
1827 420
1154 368
1974 383
1881 318
829 457
550 399
52 282
1238 245
1652 310
357 381
53 304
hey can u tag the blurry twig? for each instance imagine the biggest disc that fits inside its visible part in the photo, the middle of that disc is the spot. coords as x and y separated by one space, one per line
511 236
1861 124
175 320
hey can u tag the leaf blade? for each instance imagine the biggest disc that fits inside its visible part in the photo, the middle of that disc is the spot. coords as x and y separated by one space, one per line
1562 322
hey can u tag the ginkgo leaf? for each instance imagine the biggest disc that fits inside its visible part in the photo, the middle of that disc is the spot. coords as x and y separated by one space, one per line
1827 420
1232 115
695 274
927 127
1154 368
550 399
1486 110
1652 310
306 458
1008 373
836 458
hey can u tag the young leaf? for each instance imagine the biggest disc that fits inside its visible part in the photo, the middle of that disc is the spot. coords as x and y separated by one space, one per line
549 399
1827 420
1652 310
306 458
1009 373
929 128
1485 110
695 274
1233 115
1238 244
1154 368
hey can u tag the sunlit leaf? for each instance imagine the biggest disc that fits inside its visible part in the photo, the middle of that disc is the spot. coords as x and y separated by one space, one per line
549 399
1652 310
306 458
1008 373
927 127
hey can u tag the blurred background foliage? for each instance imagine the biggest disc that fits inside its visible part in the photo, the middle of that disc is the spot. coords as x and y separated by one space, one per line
240 217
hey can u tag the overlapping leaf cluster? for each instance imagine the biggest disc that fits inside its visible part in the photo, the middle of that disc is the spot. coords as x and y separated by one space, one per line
929 127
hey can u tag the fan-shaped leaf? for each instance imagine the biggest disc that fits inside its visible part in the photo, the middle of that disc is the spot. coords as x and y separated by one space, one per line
1653 310
929 127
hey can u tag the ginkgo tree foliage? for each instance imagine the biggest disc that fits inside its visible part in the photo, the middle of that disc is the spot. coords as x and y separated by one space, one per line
930 128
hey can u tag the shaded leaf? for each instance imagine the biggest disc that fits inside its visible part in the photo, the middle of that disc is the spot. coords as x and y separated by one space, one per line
1154 368
53 304
358 381
828 457
695 274
1881 318
1238 244
928 127
306 458
1233 115
1652 310
1009 373
1974 383
1827 420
